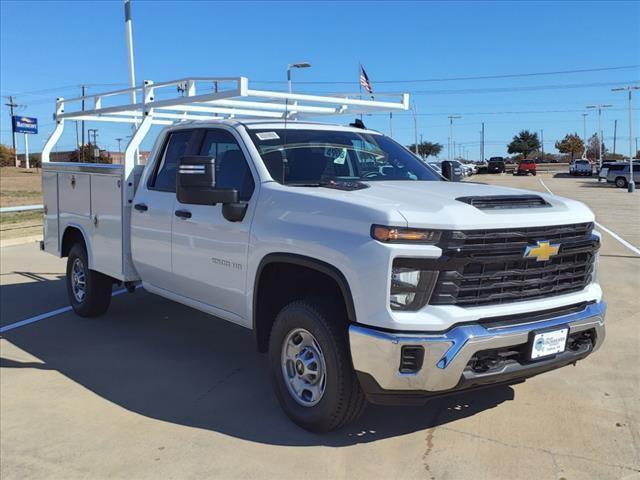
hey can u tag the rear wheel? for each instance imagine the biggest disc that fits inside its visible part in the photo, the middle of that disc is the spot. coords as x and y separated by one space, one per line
313 377
621 182
89 291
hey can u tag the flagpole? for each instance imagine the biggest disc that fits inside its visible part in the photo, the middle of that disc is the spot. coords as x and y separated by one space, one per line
360 84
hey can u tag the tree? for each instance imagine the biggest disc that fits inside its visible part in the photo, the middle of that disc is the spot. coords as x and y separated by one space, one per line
426 149
571 144
592 148
87 154
525 143
7 156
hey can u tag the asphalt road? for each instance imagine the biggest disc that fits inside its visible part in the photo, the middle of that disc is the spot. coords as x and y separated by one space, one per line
157 390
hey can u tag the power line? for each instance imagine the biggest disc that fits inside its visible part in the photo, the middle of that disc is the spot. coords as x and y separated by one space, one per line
477 77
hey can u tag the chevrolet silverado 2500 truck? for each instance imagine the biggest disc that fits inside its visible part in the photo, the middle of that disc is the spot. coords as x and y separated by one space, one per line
365 275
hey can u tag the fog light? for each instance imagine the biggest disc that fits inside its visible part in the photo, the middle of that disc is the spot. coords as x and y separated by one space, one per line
410 288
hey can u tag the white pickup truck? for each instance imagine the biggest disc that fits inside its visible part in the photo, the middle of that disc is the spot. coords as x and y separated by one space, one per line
364 274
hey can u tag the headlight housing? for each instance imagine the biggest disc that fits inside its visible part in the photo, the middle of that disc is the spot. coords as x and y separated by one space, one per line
405 235
411 287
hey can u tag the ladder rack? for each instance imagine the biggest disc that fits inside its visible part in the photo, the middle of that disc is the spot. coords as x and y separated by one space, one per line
212 98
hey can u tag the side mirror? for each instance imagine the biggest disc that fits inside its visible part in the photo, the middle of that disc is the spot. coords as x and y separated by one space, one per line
196 183
451 171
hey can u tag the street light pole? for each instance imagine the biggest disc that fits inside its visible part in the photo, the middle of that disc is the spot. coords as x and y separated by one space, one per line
451 142
600 106
631 186
295 65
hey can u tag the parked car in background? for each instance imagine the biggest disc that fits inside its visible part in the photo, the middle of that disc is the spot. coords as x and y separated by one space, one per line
467 170
603 171
436 166
496 165
580 167
620 175
525 167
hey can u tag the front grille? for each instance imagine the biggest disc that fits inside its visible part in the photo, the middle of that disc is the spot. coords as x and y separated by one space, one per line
487 267
494 202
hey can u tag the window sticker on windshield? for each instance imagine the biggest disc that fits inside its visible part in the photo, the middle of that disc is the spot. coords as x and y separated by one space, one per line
267 136
339 155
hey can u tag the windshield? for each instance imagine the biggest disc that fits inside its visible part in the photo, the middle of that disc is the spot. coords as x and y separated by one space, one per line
314 157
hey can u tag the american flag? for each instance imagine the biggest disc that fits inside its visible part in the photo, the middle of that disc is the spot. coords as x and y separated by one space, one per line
364 80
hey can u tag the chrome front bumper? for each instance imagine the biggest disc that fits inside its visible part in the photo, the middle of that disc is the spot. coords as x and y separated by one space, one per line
447 354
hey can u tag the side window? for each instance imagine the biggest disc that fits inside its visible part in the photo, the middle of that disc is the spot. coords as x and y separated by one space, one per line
636 168
164 176
232 170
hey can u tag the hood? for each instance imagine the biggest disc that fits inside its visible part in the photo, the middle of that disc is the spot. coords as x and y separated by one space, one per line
434 205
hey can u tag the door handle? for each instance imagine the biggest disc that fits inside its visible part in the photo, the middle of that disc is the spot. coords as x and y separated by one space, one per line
141 207
183 213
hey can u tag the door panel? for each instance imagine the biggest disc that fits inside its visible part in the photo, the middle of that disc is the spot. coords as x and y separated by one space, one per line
151 235
152 213
210 252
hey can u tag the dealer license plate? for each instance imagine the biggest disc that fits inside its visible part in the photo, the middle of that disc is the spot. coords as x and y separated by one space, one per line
549 343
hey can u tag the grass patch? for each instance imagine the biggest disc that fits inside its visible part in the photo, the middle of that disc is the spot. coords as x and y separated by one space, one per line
21 194
20 217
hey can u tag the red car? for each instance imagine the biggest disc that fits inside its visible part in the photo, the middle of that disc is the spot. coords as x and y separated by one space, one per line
525 167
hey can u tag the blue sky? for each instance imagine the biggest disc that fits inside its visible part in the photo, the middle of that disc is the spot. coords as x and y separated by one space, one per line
49 48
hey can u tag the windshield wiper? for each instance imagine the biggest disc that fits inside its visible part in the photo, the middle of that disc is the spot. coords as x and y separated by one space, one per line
334 184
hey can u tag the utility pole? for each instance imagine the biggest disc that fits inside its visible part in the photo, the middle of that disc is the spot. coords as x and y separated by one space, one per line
542 143
615 132
482 143
391 124
95 141
584 133
600 106
119 140
11 106
451 142
631 187
415 126
84 88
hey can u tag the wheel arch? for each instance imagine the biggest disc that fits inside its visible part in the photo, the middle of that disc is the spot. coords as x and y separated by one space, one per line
261 325
71 235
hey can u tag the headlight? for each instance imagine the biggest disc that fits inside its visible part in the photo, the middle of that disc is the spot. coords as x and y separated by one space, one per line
404 235
410 288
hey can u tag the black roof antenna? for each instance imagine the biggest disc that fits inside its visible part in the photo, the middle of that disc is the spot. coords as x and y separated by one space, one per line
358 123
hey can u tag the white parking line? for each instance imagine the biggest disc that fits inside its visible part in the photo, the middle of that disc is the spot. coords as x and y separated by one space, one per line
633 248
44 316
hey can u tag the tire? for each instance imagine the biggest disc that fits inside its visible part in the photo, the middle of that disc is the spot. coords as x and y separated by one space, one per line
89 295
621 182
533 173
335 398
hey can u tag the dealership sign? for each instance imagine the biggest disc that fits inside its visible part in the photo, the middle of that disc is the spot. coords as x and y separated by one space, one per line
25 124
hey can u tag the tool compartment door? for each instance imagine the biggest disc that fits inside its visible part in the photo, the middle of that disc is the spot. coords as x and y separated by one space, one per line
106 210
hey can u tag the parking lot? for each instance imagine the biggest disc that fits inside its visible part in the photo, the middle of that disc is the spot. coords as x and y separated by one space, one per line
154 389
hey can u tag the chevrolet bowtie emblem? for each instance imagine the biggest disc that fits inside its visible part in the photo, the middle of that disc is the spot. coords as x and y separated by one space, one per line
542 252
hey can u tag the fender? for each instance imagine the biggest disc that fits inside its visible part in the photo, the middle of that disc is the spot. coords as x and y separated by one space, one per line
310 263
85 237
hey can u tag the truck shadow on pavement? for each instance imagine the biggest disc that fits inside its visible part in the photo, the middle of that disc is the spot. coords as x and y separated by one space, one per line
171 363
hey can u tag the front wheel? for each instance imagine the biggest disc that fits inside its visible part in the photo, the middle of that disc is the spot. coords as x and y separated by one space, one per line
89 291
314 380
